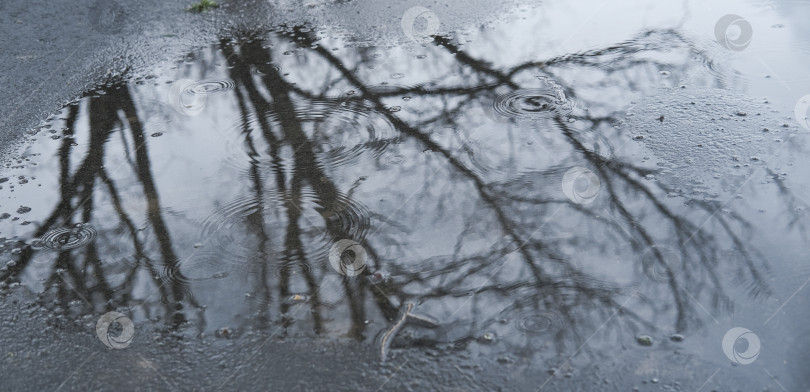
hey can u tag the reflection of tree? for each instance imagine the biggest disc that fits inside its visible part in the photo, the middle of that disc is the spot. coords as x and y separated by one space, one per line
80 272
522 216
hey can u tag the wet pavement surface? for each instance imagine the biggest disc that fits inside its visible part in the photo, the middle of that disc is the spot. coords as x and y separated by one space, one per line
537 197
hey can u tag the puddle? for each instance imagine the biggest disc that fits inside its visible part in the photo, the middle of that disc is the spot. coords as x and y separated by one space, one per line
291 184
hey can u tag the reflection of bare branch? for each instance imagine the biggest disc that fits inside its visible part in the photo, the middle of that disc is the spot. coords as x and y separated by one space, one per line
515 217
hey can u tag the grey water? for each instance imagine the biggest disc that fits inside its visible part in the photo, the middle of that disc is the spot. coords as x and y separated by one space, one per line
546 201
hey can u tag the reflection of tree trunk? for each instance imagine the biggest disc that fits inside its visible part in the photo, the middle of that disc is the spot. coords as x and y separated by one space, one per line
548 284
293 246
256 219
140 254
64 165
153 209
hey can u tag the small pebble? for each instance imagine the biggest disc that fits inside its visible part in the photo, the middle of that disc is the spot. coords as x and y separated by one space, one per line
644 340
224 332
298 298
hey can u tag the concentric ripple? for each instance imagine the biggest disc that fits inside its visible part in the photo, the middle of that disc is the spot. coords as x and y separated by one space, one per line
202 267
246 227
177 284
205 87
331 289
68 237
658 262
338 133
594 143
292 269
492 156
533 103
257 71
536 323
235 228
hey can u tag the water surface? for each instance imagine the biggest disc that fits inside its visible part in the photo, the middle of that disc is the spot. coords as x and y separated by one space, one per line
550 211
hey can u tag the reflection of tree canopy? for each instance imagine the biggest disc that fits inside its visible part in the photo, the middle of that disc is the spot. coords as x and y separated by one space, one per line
518 245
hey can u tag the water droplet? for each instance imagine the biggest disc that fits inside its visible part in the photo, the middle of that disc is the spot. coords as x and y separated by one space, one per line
210 87
528 104
69 238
